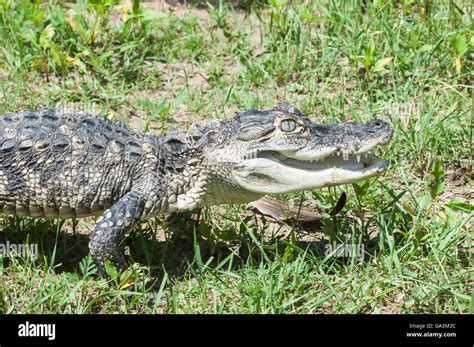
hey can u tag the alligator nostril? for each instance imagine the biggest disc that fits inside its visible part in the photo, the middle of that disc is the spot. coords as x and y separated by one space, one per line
377 123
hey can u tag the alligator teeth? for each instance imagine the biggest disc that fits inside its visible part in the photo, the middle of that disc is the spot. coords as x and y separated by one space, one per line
345 156
358 158
338 153
366 155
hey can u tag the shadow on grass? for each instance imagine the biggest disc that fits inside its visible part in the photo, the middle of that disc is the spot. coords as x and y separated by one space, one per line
64 249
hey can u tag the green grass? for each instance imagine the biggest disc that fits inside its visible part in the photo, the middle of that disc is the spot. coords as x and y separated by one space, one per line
411 61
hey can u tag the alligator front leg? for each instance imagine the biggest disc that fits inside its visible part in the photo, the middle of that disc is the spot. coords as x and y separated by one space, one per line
111 227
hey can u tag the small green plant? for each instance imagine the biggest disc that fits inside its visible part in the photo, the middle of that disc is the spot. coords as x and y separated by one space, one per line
460 46
437 179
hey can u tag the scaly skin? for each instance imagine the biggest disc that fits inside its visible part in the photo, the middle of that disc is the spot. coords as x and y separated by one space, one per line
64 164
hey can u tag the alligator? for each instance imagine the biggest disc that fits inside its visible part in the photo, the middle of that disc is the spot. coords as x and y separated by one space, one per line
57 163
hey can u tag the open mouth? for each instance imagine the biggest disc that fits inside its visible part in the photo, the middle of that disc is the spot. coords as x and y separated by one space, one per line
363 163
276 172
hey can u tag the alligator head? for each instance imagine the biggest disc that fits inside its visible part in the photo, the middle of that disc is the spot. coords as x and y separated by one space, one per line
281 151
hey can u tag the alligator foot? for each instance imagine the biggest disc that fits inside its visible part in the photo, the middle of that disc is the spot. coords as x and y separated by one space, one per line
111 227
118 261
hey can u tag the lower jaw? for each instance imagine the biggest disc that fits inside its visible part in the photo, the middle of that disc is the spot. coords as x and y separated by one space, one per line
282 178
303 179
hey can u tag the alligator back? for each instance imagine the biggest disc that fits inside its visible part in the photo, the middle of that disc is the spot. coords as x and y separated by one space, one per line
55 163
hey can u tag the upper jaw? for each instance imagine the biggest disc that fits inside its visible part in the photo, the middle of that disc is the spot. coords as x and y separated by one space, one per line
343 152
341 160
359 156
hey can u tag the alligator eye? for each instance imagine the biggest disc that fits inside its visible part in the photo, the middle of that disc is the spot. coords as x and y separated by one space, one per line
288 125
